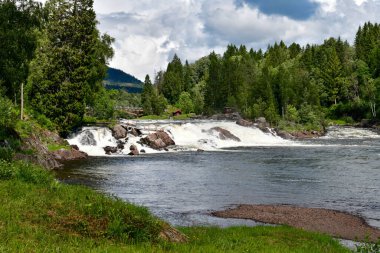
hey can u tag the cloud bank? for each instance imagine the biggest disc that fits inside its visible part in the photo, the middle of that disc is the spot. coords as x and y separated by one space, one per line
149 32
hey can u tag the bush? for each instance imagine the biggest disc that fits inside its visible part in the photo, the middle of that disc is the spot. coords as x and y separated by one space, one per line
6 154
8 114
24 172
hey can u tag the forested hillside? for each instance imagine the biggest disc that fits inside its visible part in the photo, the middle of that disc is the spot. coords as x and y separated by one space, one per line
287 83
119 80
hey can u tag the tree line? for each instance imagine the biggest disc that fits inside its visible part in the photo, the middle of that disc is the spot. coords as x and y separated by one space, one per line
286 83
57 51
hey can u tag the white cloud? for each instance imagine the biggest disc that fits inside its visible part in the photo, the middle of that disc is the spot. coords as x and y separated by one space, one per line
149 32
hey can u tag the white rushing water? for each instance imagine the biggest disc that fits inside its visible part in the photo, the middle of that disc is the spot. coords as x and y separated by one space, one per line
199 135
350 133
187 136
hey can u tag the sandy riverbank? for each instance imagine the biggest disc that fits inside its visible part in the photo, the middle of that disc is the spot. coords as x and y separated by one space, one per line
331 222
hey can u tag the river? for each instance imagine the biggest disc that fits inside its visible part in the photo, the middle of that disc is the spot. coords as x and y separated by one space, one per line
339 171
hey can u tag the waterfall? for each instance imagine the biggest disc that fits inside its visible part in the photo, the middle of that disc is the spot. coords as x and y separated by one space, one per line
188 136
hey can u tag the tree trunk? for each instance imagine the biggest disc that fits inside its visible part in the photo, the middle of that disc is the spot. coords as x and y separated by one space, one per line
22 101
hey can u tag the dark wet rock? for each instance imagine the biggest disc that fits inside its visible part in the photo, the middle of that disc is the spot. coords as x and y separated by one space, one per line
142 151
262 124
224 134
158 140
200 150
284 135
119 132
120 146
244 123
110 150
87 139
134 150
75 147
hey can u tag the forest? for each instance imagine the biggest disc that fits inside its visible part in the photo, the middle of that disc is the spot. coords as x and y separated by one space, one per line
53 61
287 84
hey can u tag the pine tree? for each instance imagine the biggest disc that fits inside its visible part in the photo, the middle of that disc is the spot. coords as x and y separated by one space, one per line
70 63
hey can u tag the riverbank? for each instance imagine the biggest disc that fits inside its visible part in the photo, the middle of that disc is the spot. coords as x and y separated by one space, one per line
331 222
39 214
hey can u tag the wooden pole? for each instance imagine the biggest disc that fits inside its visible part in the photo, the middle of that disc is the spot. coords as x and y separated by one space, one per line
22 101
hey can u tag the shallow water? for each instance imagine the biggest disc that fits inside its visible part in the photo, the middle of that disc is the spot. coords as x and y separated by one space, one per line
340 171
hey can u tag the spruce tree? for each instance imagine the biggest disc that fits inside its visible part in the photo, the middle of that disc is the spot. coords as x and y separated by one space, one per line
70 63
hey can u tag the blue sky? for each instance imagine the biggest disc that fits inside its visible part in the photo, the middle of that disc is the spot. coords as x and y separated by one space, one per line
149 32
296 9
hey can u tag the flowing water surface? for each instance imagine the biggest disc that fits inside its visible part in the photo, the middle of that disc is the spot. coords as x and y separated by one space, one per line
339 171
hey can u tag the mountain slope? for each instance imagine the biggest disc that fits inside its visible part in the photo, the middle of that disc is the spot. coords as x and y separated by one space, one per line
119 80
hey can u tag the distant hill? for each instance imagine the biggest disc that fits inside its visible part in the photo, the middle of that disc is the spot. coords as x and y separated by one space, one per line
117 79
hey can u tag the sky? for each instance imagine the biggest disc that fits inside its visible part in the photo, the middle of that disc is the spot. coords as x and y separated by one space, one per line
149 32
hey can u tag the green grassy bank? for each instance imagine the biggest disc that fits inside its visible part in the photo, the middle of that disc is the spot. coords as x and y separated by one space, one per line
39 214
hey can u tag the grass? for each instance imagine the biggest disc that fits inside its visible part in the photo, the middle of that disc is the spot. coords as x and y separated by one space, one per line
55 147
39 214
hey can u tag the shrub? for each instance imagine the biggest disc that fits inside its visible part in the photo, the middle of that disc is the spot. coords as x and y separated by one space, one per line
8 114
6 154
25 172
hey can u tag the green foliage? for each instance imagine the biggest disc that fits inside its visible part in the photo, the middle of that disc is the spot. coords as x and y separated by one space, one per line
292 114
8 114
70 63
368 247
19 21
6 154
24 172
103 106
185 103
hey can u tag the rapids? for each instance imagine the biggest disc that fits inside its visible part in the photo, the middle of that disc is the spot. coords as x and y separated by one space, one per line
188 136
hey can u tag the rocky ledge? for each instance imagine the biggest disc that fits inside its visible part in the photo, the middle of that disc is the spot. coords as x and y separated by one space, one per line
332 222
35 149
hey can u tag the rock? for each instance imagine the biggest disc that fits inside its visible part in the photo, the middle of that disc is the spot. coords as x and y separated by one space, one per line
136 132
158 140
244 123
87 139
119 132
224 134
109 150
4 144
142 151
134 150
120 146
64 155
75 147
262 124
200 150
284 135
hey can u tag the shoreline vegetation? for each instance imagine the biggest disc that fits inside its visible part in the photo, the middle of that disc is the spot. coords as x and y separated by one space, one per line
54 61
40 214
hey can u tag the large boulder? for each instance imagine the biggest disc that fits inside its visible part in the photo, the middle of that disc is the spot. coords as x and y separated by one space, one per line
64 155
225 134
119 132
158 140
244 123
